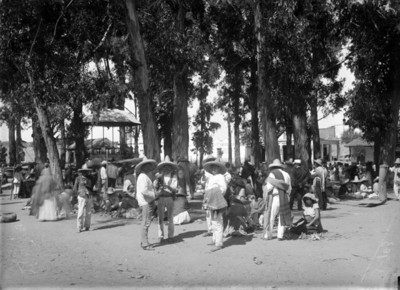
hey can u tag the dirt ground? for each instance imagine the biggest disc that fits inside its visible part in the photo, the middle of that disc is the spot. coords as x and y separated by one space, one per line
360 249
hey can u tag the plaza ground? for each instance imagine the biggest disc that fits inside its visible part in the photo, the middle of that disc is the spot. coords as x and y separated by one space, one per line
360 250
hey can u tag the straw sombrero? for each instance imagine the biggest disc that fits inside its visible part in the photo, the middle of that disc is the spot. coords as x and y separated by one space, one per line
145 161
208 165
310 196
276 164
318 161
167 162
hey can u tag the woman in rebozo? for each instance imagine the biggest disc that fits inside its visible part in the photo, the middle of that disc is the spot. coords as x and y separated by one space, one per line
45 193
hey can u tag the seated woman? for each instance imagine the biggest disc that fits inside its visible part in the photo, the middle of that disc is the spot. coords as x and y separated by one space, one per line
311 220
237 220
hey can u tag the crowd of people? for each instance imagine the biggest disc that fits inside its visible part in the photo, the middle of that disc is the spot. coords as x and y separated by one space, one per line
236 201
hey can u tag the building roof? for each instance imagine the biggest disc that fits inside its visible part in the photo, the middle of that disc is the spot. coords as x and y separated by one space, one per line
111 118
359 143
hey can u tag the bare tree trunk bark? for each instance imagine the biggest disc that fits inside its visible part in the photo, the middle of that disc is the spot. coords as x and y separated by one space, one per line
79 129
12 145
289 135
20 146
264 96
229 137
255 132
63 145
236 112
180 123
315 128
39 146
300 135
50 142
141 81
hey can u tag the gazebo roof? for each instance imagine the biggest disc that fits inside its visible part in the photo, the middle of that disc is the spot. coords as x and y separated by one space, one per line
359 143
111 118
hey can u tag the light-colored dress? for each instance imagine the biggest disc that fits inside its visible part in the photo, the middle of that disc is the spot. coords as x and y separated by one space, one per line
48 210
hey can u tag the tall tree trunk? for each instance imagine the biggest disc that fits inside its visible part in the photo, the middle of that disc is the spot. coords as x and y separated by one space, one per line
289 134
168 142
39 146
388 149
79 132
315 128
180 123
300 134
50 141
255 132
236 112
63 145
264 96
229 136
20 147
141 81
12 145
180 119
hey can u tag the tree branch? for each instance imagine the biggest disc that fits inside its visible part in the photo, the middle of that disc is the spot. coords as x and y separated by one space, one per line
104 38
58 20
34 40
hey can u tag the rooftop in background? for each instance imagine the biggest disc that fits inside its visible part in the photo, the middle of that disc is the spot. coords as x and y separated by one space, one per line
359 143
111 118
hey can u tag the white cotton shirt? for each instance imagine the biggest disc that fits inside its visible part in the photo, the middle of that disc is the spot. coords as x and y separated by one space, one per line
311 210
145 192
171 181
268 186
103 173
217 180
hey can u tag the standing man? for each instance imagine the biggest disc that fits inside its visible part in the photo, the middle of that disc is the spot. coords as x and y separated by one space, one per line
299 181
166 186
112 174
214 199
322 173
146 196
396 178
277 188
84 188
103 179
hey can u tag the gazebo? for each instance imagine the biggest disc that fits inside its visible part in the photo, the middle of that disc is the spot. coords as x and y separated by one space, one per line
111 118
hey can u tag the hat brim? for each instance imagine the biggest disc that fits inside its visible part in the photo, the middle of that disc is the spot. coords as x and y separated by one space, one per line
208 165
310 196
345 181
162 165
84 169
317 162
275 166
138 168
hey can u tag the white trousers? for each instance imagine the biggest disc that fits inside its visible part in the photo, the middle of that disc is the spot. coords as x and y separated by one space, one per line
274 212
85 205
396 190
217 227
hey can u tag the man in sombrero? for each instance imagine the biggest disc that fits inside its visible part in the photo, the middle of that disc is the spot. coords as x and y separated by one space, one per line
146 196
322 173
166 186
215 202
84 188
276 190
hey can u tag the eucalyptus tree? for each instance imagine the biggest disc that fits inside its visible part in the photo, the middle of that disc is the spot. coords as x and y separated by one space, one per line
49 43
374 36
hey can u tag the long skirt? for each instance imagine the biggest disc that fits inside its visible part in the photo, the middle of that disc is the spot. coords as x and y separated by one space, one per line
48 210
